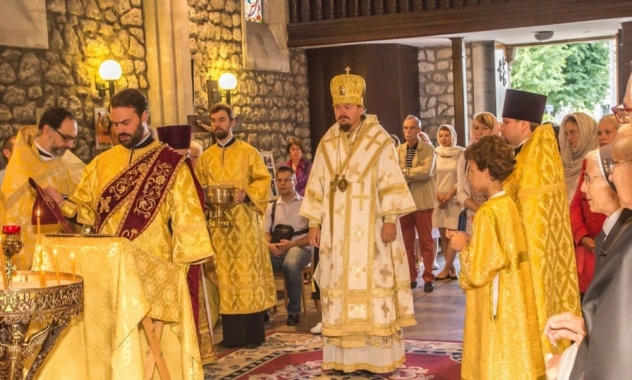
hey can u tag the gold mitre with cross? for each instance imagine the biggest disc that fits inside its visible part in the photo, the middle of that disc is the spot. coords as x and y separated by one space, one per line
347 89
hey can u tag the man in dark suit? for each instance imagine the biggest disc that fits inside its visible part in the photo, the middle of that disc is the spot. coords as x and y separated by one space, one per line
604 333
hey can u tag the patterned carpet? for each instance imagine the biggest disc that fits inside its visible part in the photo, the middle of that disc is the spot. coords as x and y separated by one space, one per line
287 356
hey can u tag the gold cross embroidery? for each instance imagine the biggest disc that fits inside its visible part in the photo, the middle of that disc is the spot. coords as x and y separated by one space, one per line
373 140
386 310
361 197
386 273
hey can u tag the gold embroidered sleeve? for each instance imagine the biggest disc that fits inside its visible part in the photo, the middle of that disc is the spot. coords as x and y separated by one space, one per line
86 195
484 256
258 188
394 196
190 239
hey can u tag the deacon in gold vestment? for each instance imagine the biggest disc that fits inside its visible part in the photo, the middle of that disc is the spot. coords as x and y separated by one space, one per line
501 339
537 186
144 191
42 153
244 270
354 195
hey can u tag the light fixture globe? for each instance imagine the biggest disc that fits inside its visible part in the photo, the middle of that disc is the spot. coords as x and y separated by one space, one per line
543 35
227 82
110 70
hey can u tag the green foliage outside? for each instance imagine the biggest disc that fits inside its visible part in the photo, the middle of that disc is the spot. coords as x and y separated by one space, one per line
571 75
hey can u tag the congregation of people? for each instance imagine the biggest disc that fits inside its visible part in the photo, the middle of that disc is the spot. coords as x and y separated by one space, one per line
539 222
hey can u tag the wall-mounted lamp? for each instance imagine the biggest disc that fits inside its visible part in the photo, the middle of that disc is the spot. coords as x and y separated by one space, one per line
109 71
221 88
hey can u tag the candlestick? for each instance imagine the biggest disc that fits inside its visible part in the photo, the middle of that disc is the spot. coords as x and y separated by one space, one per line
5 284
42 277
11 246
56 265
72 265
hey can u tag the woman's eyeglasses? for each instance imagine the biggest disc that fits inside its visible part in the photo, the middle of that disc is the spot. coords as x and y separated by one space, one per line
610 164
622 113
587 178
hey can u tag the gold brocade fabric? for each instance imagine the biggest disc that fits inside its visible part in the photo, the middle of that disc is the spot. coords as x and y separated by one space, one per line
364 283
537 186
178 232
122 284
206 318
507 345
62 173
243 267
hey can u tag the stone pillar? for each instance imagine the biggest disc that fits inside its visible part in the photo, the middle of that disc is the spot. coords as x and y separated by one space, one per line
169 74
460 88
486 77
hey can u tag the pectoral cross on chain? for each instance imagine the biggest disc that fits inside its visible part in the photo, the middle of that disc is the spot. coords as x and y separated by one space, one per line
361 197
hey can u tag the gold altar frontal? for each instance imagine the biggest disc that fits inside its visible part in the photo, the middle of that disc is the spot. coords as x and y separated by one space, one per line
123 284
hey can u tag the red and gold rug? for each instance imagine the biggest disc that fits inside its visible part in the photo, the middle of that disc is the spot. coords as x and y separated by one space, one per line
287 356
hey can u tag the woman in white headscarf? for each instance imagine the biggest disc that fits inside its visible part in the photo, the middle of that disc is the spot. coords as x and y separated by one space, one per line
483 124
446 213
577 137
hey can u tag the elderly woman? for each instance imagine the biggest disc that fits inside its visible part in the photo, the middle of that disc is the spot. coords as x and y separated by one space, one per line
606 302
577 137
483 124
586 224
446 213
295 149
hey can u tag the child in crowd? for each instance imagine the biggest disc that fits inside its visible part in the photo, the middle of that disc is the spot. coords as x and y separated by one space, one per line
500 338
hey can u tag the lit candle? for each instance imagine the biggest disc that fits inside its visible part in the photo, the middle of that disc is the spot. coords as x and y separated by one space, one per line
72 265
56 265
38 224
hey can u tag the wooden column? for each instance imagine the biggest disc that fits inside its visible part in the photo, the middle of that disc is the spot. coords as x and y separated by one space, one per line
460 88
625 58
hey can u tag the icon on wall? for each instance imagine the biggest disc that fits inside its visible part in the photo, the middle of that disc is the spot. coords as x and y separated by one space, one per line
102 129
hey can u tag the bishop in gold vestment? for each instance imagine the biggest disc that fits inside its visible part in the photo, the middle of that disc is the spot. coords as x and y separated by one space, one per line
537 186
364 282
501 342
61 172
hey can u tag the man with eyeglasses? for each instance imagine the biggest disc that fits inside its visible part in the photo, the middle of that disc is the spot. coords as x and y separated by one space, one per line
42 153
286 234
538 188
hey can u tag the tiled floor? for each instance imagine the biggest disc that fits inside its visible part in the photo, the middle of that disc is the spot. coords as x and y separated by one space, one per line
439 314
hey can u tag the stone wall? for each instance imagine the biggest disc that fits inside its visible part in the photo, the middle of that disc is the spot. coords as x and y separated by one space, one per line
436 90
273 105
82 33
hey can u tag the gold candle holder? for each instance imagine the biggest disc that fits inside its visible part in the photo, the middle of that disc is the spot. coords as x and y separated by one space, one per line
11 246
